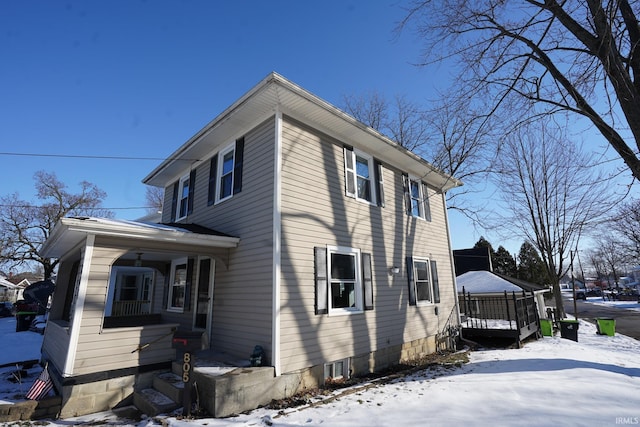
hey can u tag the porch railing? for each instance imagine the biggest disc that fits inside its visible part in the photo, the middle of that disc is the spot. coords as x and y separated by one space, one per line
130 307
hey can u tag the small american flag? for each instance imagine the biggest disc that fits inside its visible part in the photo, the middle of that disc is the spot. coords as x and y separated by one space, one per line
41 386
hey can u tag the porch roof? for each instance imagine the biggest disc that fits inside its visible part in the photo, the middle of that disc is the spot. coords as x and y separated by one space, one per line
69 232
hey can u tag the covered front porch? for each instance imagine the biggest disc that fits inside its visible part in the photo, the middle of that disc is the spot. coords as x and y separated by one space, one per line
123 290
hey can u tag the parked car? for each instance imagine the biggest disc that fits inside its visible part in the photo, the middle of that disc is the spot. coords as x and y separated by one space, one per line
594 293
6 309
581 294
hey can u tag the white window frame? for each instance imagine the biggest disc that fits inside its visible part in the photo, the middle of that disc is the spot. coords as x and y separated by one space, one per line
173 285
353 174
429 281
422 199
120 271
184 185
231 148
358 297
330 370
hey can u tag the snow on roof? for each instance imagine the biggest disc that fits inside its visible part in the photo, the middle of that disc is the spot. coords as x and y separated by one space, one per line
484 282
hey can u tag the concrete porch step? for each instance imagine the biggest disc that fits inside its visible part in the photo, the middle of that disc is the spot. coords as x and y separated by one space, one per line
170 385
152 402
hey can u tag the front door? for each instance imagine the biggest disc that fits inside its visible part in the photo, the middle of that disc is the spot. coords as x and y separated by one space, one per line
204 295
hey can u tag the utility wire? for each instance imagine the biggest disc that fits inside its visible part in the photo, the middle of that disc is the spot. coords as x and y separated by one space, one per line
81 156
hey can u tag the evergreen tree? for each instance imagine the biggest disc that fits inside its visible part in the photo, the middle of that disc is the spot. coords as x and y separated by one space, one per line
503 262
531 267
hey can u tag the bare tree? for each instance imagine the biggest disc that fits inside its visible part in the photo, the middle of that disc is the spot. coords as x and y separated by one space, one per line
533 57
551 194
448 135
155 199
613 255
24 226
626 222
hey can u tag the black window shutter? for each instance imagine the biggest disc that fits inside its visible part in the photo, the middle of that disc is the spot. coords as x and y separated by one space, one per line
192 189
187 286
174 201
407 193
320 255
425 201
434 280
349 172
412 282
379 183
367 281
213 168
237 166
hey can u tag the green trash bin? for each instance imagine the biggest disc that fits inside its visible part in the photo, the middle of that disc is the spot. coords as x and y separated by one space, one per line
569 329
606 326
546 327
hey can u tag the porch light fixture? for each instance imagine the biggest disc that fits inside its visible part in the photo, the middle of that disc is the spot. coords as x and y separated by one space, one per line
394 270
138 261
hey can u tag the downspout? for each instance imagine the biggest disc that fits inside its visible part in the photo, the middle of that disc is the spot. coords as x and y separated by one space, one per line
277 231
78 306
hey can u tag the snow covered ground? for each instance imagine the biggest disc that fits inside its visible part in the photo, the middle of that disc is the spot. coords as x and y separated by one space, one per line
549 382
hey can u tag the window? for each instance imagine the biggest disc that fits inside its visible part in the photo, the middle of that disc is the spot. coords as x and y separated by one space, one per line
130 291
417 198
177 285
343 280
336 370
423 281
183 200
363 177
183 195
225 174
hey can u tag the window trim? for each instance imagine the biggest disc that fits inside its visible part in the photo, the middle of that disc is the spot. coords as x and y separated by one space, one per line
181 187
433 279
231 148
428 281
124 270
358 283
424 208
172 285
351 175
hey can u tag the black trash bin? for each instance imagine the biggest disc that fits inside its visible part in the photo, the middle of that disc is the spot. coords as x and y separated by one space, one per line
569 329
24 319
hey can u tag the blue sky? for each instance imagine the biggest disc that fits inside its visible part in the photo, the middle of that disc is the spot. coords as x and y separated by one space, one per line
138 78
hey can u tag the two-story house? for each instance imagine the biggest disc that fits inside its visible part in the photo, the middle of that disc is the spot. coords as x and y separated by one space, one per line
286 224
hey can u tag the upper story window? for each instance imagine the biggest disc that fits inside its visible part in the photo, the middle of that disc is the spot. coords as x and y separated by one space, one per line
226 159
363 177
417 198
183 195
225 173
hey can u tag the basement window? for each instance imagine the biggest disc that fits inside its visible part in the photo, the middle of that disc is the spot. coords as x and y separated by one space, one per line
338 370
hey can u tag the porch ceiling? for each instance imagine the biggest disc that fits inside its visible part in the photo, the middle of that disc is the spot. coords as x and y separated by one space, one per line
70 232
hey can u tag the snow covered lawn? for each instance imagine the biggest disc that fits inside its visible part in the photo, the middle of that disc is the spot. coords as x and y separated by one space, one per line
549 382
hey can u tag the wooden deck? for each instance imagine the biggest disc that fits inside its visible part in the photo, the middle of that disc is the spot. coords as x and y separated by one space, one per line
509 315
